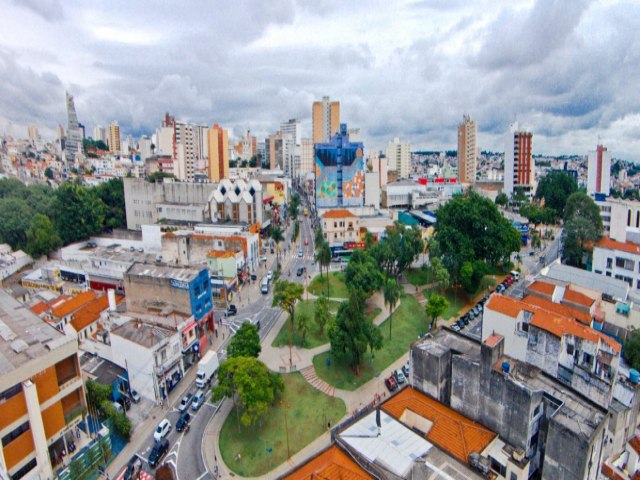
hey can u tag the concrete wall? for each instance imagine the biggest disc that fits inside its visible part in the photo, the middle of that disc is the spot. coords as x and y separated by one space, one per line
543 351
432 373
465 386
139 362
515 340
142 292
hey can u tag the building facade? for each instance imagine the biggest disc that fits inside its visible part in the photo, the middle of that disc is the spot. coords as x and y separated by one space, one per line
326 120
340 226
620 260
399 158
218 145
113 137
239 201
519 167
467 150
73 143
599 171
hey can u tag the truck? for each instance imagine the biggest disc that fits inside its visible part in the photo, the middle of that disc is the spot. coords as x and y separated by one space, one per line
207 367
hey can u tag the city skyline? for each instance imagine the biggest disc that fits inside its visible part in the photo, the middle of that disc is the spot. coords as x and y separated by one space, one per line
406 70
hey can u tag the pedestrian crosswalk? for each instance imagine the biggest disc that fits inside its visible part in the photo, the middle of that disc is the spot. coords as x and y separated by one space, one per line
304 257
142 475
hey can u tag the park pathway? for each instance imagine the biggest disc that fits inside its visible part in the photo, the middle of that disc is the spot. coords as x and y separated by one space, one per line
309 374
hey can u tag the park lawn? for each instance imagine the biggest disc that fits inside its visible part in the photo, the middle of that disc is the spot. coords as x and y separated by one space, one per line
337 287
310 411
314 339
419 276
409 321
456 301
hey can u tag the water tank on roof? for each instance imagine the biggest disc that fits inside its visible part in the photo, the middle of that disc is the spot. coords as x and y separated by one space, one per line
505 366
634 376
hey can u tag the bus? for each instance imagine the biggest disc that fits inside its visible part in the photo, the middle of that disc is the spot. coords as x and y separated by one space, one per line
306 212
345 255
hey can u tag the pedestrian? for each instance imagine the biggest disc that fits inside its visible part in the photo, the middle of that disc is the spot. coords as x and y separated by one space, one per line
216 333
222 335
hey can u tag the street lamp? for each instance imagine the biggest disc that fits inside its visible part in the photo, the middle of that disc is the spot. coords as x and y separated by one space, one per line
286 406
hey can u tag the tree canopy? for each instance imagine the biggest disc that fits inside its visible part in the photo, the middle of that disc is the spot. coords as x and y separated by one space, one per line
436 305
363 273
555 188
398 249
631 349
582 227
79 212
158 176
246 342
42 237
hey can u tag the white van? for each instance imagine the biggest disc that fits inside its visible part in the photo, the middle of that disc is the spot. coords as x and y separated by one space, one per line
515 274
264 286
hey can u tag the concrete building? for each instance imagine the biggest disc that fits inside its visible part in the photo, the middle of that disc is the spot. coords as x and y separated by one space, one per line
618 216
218 144
326 120
41 391
519 167
399 158
306 157
379 165
239 201
340 226
372 192
291 141
113 137
100 133
73 142
599 171
619 260
408 193
467 150
11 262
190 148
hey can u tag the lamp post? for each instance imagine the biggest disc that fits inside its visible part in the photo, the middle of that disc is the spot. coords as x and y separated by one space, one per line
286 406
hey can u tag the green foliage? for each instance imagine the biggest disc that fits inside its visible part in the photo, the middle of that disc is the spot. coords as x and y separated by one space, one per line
582 225
302 324
470 227
277 236
91 144
249 382
440 273
112 195
323 257
363 273
158 176
122 425
555 188
15 220
11 187
436 305
321 314
471 275
392 292
502 199
97 393
285 296
631 350
48 173
42 237
246 342
398 250
79 212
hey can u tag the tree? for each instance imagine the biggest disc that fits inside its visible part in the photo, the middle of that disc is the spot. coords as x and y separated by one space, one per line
471 275
502 199
398 250
319 237
392 292
631 350
42 237
48 173
159 176
582 205
97 393
555 188
582 226
15 220
532 212
250 384
11 187
246 342
112 195
363 273
436 305
122 425
79 212
440 273
277 236
321 313
323 257
302 323
285 296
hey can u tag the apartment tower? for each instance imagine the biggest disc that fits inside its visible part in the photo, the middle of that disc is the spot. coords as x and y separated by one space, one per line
399 157
113 137
326 120
467 150
218 153
519 166
599 171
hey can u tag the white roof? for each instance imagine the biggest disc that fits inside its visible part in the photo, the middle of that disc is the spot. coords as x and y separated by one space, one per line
396 448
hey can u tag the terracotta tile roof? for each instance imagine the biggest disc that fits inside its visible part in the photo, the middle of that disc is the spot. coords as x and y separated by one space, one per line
578 298
332 464
493 340
542 287
73 304
607 243
610 473
505 305
559 308
338 213
635 443
220 254
90 312
451 431
39 308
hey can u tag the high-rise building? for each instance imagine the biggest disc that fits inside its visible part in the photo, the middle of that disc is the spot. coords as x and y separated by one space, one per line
33 134
144 146
467 150
399 158
218 141
292 137
188 148
100 133
73 142
274 151
599 171
519 167
379 165
113 137
60 132
339 172
326 119
306 156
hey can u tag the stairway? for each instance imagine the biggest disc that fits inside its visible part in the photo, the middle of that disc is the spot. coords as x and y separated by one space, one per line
309 374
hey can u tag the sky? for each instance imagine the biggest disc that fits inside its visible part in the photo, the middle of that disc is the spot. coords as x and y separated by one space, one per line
569 71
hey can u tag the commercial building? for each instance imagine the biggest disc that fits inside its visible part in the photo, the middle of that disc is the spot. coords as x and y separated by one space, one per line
11 262
619 260
519 167
399 158
618 216
73 142
218 144
340 226
326 120
41 391
237 201
467 150
306 157
113 137
599 171
339 172
291 141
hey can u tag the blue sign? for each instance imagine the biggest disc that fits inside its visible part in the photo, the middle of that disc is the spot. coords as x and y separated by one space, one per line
181 284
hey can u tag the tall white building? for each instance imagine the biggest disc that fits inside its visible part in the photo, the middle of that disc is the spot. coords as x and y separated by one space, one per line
599 171
399 158
144 145
100 133
519 167
467 150
73 142
291 141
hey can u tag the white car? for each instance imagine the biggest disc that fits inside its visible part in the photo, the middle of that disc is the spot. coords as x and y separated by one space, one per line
269 275
263 259
162 431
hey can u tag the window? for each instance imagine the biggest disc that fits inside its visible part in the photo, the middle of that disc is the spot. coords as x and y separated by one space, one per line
498 467
536 411
625 263
10 392
587 359
513 476
24 470
609 262
11 436
570 349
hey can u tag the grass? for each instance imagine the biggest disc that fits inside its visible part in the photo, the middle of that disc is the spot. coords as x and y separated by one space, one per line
419 276
338 289
409 320
314 338
307 418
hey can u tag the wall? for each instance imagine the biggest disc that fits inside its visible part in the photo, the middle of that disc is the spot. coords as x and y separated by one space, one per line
431 372
143 291
465 386
515 340
543 351
139 362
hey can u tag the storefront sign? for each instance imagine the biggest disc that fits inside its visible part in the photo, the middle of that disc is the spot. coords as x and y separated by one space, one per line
181 284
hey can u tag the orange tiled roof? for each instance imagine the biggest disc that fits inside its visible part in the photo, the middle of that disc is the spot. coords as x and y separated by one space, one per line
542 287
220 254
73 304
90 312
338 213
559 308
493 340
451 431
505 305
635 443
39 308
332 464
606 242
578 298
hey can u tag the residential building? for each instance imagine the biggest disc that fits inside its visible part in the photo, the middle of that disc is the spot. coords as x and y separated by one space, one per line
326 120
618 215
620 260
291 140
100 133
73 142
599 171
84 324
372 192
306 157
218 144
399 158
113 137
339 172
42 393
190 148
33 135
165 141
379 164
60 315
467 150
144 146
340 226
12 262
239 201
519 167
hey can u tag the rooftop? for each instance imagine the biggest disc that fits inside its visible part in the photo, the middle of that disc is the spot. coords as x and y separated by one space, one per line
609 244
104 371
338 213
23 335
592 281
221 254
143 334
73 304
558 308
635 443
331 464
89 313
161 271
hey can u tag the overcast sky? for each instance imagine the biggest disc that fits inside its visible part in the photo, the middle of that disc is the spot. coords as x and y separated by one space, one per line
568 70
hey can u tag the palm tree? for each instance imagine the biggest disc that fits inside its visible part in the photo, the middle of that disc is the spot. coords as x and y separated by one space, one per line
277 237
323 257
391 296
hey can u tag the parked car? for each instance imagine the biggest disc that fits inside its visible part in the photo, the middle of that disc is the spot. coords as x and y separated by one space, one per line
133 468
336 259
162 431
263 259
254 277
300 253
460 324
405 370
455 327
135 396
465 319
391 383
400 378
231 310
269 275
158 451
300 271
185 402
198 400
306 241
183 422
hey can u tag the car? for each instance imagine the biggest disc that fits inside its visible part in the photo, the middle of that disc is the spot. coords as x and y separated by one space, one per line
158 451
532 253
135 396
306 241
125 402
269 275
399 376
480 308
300 271
391 383
460 324
254 277
272 250
455 327
263 259
134 467
231 310
163 429
183 422
465 319
185 402
405 370
198 400
300 253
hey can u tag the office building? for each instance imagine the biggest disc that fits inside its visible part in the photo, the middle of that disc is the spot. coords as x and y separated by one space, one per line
467 150
399 158
599 171
218 144
519 167
113 137
73 142
326 120
306 156
339 172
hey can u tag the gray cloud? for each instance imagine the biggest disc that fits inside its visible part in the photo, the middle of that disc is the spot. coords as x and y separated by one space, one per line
50 10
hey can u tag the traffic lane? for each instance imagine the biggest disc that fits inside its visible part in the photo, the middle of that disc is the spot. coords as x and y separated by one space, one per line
190 452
